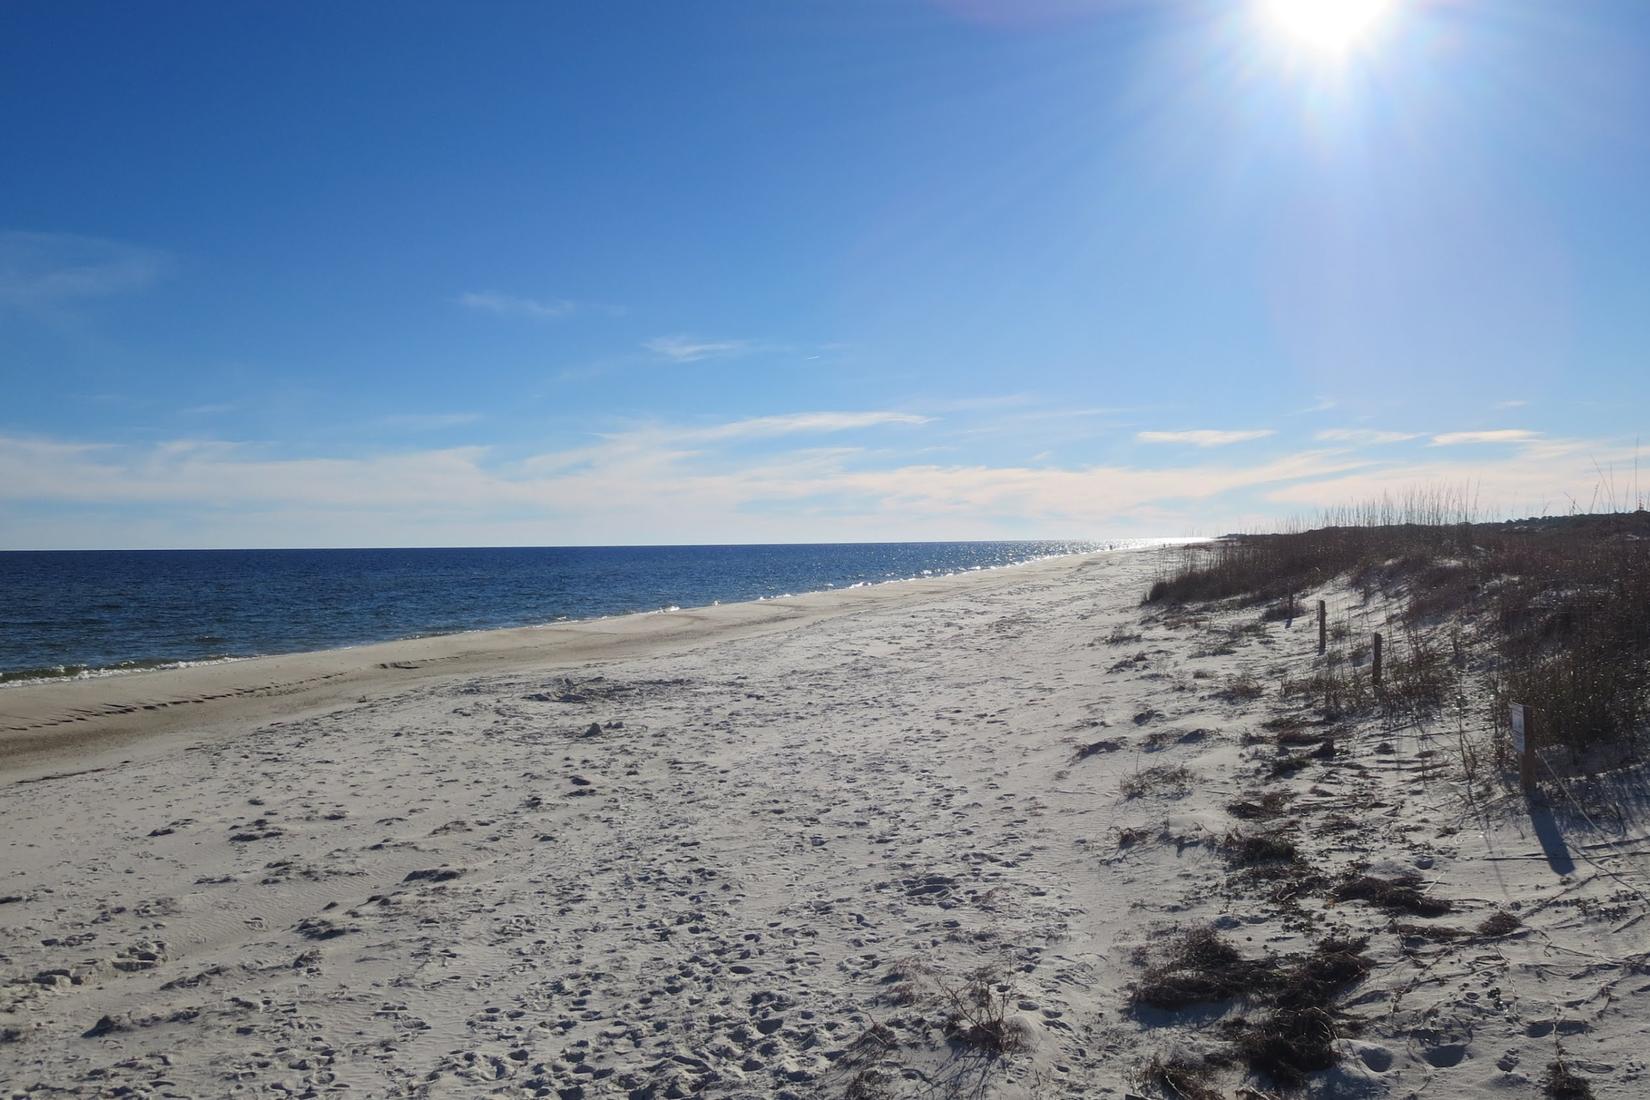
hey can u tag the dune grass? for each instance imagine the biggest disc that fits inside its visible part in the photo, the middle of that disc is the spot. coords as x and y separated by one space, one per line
1560 608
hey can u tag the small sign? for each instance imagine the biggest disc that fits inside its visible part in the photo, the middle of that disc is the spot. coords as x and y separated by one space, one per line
1519 710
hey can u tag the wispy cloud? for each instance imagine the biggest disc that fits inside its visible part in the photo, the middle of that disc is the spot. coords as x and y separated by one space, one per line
800 423
44 271
988 402
651 485
1511 404
419 422
1204 437
208 410
1538 476
1363 437
1498 435
686 349
513 305
673 482
1322 404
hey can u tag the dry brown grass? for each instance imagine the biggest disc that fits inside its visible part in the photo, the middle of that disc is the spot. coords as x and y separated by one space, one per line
1562 606
981 1011
1297 1023
1177 1078
1399 894
1558 1083
1165 780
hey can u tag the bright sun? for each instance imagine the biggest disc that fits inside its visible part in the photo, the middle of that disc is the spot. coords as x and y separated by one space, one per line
1332 26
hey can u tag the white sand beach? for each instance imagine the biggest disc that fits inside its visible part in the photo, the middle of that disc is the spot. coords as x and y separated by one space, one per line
760 850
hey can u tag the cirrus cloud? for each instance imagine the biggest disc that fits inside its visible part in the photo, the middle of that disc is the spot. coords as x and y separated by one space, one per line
1204 437
1363 437
1498 435
686 349
513 305
44 271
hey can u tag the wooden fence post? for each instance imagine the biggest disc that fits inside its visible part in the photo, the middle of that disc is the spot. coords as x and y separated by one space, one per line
1323 627
1523 740
1377 669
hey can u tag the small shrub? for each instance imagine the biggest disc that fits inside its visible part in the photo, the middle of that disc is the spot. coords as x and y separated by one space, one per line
1418 678
981 1014
1558 1083
865 1055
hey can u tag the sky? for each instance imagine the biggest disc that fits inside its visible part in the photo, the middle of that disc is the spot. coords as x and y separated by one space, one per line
437 274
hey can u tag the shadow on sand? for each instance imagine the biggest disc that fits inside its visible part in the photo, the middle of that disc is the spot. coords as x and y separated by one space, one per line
1550 836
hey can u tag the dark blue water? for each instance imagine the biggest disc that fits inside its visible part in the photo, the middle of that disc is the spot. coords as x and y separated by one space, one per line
67 613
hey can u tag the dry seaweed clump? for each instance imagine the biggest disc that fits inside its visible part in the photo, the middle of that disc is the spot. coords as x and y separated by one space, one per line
1180 1078
1399 894
1197 966
1095 748
1297 1036
1169 781
1253 849
1295 1022
1267 805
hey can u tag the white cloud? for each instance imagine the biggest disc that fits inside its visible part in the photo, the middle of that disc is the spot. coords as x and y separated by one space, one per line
1499 435
42 271
1204 437
696 483
794 423
1546 475
1363 437
513 305
653 485
685 349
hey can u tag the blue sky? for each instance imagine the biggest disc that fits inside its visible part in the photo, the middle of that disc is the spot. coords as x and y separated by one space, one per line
510 273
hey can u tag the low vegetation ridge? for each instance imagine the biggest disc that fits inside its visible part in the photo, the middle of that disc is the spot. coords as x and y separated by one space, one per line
1553 613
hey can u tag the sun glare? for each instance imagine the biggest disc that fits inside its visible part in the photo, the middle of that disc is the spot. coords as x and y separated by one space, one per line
1331 26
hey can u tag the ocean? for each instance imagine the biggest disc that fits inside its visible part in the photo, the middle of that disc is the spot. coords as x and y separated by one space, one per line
98 612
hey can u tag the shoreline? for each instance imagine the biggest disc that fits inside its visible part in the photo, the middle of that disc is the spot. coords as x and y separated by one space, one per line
19 678
45 724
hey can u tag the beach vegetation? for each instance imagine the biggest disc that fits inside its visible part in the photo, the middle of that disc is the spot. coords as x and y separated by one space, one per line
1165 780
1292 1019
1260 806
1559 1082
1552 612
982 1014
1398 894
1178 1078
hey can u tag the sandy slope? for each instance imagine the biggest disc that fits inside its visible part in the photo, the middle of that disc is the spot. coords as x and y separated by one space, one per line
749 852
